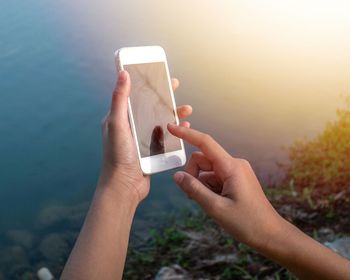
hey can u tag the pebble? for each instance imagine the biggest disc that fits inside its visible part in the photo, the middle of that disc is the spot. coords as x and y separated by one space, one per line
54 247
341 246
174 272
20 237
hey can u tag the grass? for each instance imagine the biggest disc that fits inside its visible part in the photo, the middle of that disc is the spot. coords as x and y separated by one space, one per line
174 244
319 169
315 194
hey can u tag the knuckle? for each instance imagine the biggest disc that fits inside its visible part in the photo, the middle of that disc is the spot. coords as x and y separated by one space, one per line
238 163
115 93
111 124
243 162
231 168
116 90
195 155
118 94
233 164
205 138
192 189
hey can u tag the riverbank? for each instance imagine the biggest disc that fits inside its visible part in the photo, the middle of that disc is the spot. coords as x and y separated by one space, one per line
186 245
192 246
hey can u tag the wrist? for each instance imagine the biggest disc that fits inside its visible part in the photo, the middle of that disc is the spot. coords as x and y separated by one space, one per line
275 231
276 242
117 186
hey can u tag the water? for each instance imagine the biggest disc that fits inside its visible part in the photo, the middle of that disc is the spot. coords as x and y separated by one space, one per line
255 85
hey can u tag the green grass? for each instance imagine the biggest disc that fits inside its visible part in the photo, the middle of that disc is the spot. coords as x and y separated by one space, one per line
318 177
319 169
169 245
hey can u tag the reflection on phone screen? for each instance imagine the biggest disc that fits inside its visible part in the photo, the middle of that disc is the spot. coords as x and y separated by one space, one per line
152 108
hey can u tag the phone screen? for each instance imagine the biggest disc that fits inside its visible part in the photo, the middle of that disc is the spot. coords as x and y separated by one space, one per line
152 108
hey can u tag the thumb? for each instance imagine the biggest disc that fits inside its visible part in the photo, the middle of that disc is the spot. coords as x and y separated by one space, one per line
195 190
119 104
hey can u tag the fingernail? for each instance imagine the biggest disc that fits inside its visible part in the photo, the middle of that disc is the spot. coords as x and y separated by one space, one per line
121 76
178 177
171 124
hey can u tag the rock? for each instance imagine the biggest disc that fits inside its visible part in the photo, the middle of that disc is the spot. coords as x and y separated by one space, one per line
325 234
20 271
340 246
55 267
45 274
14 263
13 255
219 259
200 243
173 272
290 213
57 214
54 247
28 275
20 237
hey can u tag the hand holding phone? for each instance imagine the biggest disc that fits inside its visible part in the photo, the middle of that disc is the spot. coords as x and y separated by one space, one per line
120 189
151 106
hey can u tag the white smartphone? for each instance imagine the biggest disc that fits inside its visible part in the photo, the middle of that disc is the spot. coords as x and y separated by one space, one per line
151 107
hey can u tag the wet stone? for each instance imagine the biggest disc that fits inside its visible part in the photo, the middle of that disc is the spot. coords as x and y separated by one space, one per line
13 255
54 247
341 246
56 215
20 237
174 272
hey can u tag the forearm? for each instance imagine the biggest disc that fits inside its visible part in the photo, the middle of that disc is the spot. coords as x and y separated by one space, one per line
304 256
100 250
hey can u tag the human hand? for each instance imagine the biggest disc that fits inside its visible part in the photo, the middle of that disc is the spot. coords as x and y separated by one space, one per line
120 168
227 189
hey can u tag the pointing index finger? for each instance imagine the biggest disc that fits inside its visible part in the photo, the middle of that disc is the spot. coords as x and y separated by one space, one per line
202 141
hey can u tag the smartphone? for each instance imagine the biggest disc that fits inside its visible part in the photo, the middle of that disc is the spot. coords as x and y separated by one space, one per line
151 106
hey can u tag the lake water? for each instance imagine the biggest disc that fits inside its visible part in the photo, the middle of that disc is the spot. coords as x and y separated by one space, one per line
257 82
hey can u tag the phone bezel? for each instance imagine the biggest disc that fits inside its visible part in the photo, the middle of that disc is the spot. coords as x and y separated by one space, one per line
149 54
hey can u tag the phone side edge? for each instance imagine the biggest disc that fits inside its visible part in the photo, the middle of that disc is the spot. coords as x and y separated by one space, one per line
119 66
